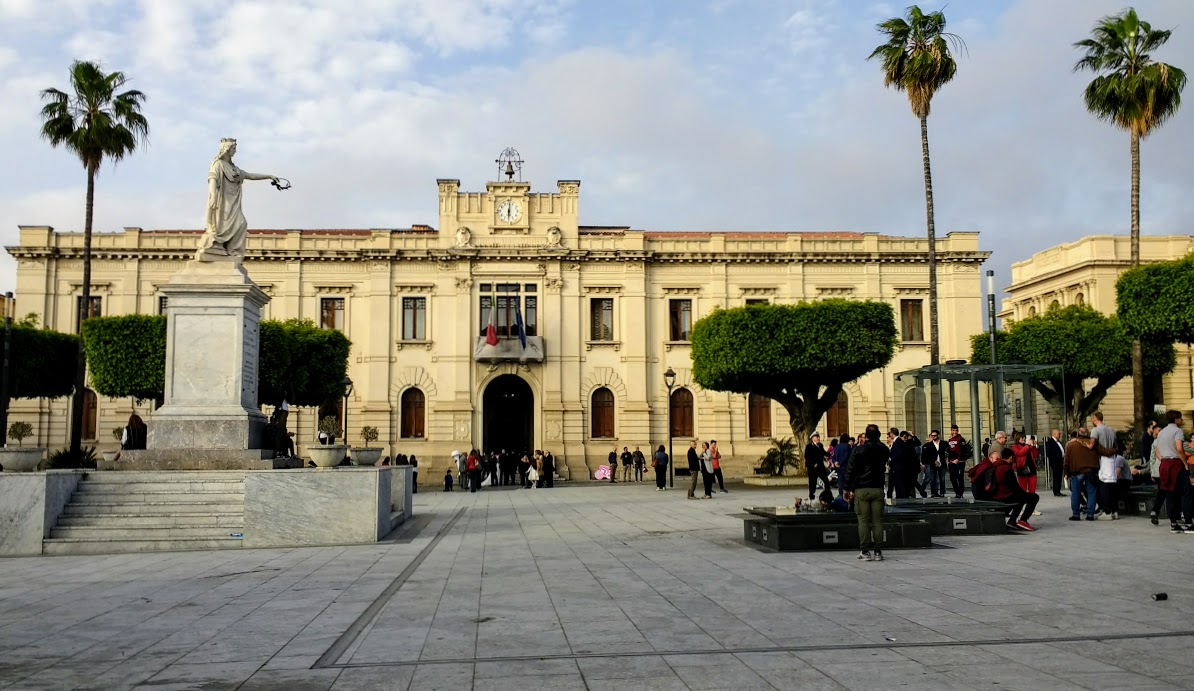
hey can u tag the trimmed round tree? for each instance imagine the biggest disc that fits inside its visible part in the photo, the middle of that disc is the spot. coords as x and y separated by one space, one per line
43 362
1095 351
126 355
1156 301
797 355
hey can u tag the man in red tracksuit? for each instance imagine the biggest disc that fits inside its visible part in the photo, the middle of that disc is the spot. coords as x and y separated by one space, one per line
1007 489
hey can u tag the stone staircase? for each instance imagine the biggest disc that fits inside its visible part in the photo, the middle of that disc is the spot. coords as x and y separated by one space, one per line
126 511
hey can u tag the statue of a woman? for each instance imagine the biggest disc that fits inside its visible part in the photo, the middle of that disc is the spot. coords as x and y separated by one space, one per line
226 225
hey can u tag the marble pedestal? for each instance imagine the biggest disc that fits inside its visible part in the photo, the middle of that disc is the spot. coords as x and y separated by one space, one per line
210 408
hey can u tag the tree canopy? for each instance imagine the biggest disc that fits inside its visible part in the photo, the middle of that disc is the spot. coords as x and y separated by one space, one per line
127 355
43 362
1086 343
916 56
301 362
1156 301
297 360
797 355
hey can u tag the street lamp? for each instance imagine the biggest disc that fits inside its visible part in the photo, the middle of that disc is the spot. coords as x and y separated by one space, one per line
9 309
669 380
347 384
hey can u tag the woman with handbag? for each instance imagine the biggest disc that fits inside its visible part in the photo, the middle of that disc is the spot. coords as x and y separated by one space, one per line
1025 462
659 462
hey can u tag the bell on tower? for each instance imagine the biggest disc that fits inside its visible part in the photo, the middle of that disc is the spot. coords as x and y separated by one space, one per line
509 164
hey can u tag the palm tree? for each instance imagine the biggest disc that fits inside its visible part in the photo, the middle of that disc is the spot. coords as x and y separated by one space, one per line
1138 94
95 123
916 59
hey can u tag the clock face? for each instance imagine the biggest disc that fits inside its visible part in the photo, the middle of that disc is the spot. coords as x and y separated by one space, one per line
509 211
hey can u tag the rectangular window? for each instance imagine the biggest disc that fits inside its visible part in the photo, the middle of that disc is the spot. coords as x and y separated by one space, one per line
331 313
486 307
530 315
680 318
912 320
163 303
601 314
756 301
414 319
95 308
759 417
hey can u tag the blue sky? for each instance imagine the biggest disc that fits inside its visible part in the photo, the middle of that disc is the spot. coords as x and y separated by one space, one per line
715 115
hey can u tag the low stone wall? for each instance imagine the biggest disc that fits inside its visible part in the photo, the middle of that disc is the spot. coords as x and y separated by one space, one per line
324 506
30 504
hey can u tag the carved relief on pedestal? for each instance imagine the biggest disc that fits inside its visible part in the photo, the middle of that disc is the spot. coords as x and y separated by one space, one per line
553 285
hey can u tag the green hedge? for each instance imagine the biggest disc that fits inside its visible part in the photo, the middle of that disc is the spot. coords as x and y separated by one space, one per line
297 360
43 362
126 355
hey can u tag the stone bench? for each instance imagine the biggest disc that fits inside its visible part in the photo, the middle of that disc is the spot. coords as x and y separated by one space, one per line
1139 502
950 516
783 529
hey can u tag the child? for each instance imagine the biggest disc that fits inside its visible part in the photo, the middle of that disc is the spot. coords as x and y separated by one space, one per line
1112 469
533 476
448 480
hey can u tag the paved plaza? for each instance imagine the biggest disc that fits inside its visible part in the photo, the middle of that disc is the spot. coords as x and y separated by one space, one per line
611 587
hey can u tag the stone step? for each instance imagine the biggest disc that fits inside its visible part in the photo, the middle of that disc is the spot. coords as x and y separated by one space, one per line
164 486
64 546
182 520
121 476
86 496
151 508
163 530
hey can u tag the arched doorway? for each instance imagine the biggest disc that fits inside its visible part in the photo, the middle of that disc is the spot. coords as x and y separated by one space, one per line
508 409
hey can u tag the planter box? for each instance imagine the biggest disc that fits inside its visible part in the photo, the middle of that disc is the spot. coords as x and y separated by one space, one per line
366 456
20 460
328 456
776 481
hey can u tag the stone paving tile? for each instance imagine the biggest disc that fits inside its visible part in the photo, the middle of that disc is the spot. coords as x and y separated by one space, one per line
605 570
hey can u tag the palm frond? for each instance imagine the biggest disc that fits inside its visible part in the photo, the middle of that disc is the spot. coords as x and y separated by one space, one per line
94 122
917 57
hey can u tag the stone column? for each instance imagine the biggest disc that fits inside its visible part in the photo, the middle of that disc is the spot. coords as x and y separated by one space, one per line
211 361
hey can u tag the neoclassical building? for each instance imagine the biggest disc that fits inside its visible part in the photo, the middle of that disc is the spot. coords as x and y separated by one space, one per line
605 311
1084 272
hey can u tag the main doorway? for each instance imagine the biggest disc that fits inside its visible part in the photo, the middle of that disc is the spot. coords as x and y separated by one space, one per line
508 407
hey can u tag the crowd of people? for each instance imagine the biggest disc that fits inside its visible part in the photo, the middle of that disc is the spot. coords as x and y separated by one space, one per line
476 470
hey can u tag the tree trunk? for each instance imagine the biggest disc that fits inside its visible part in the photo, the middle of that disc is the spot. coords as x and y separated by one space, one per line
934 343
1137 349
76 416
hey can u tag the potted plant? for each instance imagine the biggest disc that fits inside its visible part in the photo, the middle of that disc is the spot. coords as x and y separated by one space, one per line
367 455
20 459
326 455
118 435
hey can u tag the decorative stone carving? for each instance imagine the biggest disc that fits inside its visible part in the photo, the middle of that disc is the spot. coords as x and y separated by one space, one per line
554 237
464 237
463 284
553 285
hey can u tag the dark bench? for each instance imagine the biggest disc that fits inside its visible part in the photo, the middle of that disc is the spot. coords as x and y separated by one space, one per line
965 516
1139 502
782 529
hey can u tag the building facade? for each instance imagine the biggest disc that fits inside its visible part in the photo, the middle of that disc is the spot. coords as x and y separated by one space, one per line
605 311
1084 272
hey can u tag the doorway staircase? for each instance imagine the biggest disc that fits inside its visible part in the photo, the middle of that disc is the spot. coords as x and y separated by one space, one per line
127 511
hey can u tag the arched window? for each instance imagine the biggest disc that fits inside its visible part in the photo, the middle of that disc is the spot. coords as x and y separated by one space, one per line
681 413
1079 299
603 414
90 414
758 415
413 407
1032 311
1054 305
837 419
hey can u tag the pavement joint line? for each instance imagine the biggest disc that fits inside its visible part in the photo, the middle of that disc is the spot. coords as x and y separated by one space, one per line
346 639
894 645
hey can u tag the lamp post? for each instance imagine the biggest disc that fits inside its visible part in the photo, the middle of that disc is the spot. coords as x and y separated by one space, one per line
347 384
9 309
669 380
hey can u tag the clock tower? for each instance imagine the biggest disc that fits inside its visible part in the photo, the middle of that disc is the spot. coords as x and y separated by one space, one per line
508 212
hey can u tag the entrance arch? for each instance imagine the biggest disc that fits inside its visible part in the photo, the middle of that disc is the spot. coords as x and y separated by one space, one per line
508 410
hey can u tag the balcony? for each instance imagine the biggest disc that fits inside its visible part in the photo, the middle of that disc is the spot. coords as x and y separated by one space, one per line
509 349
